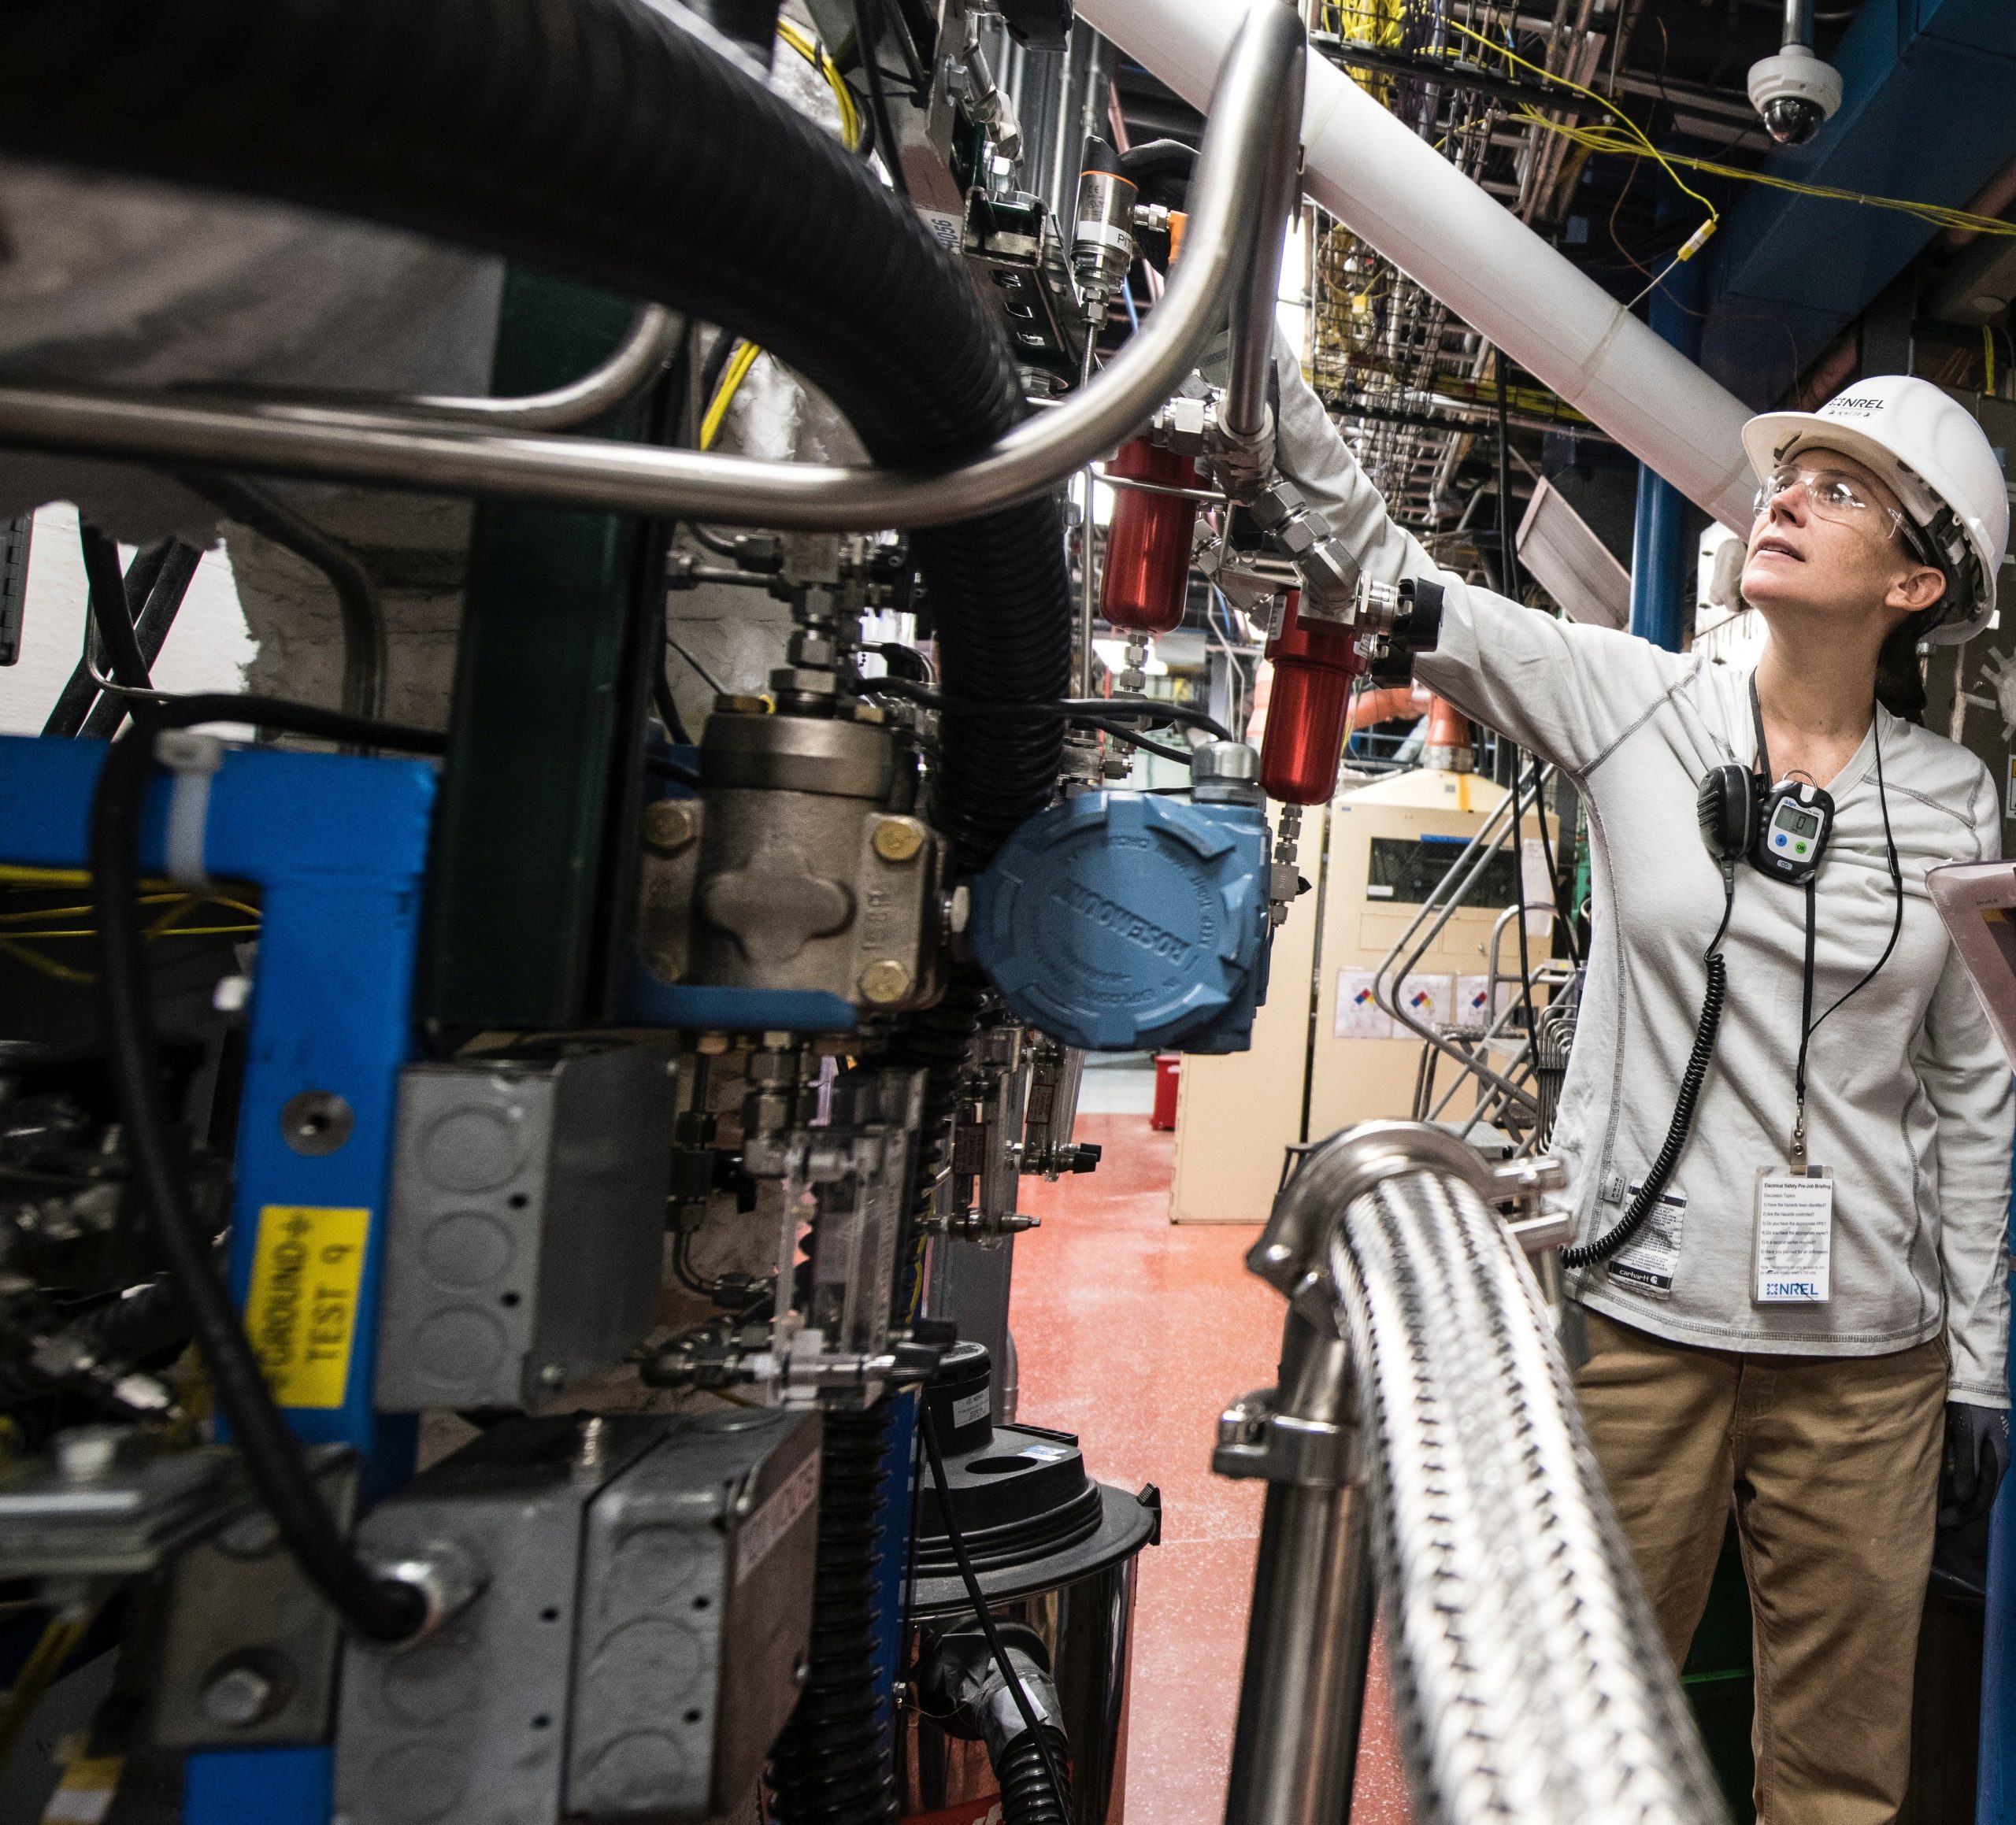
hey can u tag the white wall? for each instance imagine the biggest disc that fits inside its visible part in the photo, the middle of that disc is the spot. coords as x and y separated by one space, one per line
208 648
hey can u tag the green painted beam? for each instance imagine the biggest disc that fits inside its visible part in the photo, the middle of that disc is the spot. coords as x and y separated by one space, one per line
535 870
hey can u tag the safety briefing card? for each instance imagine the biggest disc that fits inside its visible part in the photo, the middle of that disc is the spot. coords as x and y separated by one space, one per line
1795 1246
1646 1262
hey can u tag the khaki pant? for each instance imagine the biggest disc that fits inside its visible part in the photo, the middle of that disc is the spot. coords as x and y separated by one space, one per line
1832 1464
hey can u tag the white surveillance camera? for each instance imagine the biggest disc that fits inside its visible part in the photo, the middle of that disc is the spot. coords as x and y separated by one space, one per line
1794 91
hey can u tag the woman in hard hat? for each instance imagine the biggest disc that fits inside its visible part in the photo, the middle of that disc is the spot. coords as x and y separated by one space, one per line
1814 1307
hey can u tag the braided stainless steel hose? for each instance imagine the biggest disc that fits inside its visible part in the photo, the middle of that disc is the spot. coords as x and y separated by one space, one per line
1532 1682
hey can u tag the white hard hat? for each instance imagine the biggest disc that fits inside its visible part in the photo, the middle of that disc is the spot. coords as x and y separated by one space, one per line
1934 455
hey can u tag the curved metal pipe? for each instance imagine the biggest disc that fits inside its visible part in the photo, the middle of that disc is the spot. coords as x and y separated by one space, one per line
1253 301
651 340
328 444
1524 1656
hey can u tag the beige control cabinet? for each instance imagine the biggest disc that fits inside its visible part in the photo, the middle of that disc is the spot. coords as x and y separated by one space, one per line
1389 843
1323 1056
1236 1112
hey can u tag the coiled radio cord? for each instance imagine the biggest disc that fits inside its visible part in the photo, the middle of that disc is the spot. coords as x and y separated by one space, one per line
1586 1254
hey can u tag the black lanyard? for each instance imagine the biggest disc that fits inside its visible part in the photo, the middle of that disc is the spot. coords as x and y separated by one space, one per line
1807 1023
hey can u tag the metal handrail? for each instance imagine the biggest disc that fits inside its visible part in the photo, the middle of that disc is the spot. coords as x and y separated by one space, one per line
388 450
1424 1436
1444 899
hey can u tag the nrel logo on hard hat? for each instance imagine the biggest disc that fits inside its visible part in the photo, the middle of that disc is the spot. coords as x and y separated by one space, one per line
1851 405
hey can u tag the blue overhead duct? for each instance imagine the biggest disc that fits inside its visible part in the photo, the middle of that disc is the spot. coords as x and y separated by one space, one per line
1926 113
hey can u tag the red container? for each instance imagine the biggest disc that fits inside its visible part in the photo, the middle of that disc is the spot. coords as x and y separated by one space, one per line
1148 547
1168 1069
1314 663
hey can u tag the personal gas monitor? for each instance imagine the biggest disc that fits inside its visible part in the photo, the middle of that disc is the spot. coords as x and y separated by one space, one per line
1796 819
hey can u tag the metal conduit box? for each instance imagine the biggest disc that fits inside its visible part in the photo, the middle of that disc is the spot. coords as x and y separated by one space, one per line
526 1224
637 1643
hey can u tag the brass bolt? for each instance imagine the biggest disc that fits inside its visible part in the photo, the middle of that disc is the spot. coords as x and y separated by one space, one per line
668 825
870 713
898 839
741 703
711 1045
884 982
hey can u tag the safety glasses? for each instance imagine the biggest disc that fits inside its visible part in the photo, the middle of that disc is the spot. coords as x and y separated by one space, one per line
1831 495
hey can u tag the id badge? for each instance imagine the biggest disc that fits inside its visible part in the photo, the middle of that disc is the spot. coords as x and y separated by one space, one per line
1647 1263
1794 1248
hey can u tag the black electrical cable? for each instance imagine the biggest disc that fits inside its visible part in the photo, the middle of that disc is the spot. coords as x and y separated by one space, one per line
1508 560
151 626
111 614
1567 927
1588 1253
668 708
74 706
868 41
706 677
380 1608
977 1597
1071 709
361 613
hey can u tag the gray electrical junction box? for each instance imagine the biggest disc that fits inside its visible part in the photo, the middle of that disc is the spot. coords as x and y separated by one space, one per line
639 1635
527 1225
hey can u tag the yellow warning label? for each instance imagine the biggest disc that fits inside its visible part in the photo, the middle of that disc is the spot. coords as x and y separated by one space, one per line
302 1314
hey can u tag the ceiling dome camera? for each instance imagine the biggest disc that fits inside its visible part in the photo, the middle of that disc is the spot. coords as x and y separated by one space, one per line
1794 92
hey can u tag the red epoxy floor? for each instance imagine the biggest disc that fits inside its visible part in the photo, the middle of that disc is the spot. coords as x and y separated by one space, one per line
1134 1333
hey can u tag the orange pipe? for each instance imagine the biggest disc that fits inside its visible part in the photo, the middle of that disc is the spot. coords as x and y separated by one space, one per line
1446 729
1385 706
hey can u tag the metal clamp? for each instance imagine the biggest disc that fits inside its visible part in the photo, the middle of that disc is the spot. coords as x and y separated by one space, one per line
1292 1252
1256 1440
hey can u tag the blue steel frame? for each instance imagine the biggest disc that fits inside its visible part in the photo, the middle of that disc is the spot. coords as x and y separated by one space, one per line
338 845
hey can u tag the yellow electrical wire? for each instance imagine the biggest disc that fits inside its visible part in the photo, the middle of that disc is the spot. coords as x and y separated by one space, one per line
58 1641
1694 243
1939 214
176 905
732 376
744 357
1626 139
814 53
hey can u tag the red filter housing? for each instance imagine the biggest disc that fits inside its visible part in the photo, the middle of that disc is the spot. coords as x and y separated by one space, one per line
1148 547
1314 663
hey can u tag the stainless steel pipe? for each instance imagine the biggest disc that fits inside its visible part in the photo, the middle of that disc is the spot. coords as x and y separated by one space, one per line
384 448
651 342
1532 1677
1254 300
1310 1630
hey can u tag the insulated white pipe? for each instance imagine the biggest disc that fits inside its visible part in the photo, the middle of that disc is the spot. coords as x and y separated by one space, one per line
1393 190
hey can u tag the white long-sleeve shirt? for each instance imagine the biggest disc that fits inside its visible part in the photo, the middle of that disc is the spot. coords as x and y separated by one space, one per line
1909 1097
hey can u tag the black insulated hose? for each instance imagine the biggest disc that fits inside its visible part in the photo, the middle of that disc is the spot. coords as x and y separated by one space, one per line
594 139
832 1765
1026 1797
1588 1253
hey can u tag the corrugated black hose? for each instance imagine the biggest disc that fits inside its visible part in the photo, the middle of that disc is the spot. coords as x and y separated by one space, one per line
596 139
832 1765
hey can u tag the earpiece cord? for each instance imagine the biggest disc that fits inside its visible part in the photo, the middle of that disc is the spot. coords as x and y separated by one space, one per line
1586 1254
